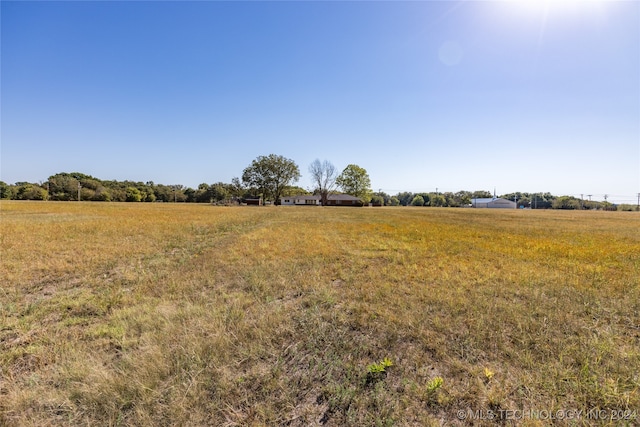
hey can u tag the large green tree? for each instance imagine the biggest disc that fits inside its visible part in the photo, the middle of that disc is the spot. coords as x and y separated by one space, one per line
271 175
63 186
28 191
5 190
133 194
417 201
377 200
438 200
405 198
566 202
355 181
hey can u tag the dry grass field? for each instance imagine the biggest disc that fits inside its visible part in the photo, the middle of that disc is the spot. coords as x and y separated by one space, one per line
176 314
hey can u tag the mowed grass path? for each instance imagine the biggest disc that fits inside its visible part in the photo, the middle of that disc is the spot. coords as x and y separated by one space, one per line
175 314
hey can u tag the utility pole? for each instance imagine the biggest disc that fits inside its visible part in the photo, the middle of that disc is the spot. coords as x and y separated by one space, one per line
638 207
581 201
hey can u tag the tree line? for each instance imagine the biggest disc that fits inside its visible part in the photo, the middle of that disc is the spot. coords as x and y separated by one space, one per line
270 178
267 177
78 186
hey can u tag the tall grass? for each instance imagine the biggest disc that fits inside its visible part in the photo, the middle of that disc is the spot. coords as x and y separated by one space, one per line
169 314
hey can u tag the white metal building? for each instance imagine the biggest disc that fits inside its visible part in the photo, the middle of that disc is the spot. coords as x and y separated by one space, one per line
496 203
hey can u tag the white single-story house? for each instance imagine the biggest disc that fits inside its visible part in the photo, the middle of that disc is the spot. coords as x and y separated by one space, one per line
496 203
300 200
314 200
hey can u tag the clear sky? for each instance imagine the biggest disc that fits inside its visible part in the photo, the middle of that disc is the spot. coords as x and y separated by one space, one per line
518 95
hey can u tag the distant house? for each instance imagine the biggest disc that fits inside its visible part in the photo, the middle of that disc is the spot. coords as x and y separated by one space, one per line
332 200
300 200
255 202
343 200
496 203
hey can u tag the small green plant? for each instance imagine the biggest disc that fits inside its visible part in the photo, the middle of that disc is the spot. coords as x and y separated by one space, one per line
432 396
377 371
381 366
375 368
434 385
488 374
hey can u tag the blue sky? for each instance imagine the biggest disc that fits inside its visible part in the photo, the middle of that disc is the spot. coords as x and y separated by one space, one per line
517 95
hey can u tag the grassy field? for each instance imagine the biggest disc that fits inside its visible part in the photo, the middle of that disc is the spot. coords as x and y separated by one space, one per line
175 314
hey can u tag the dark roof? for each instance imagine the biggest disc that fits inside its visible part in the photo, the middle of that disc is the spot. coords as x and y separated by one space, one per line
342 197
330 197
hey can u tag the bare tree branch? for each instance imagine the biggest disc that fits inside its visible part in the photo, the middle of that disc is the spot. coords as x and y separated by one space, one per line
323 175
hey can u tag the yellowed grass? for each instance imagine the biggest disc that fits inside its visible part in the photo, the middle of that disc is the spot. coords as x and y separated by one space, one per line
156 314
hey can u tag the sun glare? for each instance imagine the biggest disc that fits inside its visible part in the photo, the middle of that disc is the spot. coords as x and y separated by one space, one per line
556 6
543 12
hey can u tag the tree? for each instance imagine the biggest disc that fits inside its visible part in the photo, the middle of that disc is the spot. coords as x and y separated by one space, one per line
178 193
481 194
463 198
63 186
236 188
220 192
426 197
203 194
377 200
417 201
405 198
566 202
438 200
86 193
163 193
323 175
294 190
150 196
355 181
133 194
5 190
28 191
101 195
189 195
450 199
386 199
270 175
